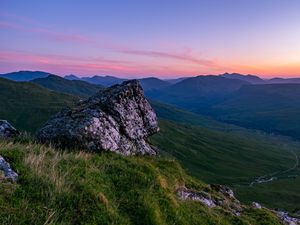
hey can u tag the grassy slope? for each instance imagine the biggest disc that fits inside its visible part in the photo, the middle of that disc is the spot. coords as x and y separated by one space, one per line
283 194
74 87
79 188
229 154
28 106
220 157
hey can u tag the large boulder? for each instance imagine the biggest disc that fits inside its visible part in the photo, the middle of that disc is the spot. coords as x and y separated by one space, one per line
7 130
117 119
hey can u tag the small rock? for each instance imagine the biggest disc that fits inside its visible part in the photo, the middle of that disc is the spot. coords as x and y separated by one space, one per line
256 205
186 194
8 172
7 130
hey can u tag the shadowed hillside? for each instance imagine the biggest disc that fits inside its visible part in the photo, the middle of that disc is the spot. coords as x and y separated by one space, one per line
74 87
197 92
28 106
274 108
25 75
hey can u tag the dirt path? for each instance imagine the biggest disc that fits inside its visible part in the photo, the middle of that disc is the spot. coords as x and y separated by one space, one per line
274 176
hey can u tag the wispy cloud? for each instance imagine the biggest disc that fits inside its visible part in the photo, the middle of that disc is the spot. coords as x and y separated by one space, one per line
180 56
57 36
181 62
59 64
52 58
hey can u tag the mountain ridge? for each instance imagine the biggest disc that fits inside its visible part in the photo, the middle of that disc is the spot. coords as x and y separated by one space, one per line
75 87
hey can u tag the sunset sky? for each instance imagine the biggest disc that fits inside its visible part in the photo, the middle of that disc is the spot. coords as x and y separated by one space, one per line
163 38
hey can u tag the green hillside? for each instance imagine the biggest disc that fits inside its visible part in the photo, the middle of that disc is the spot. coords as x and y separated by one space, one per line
212 151
74 87
28 106
274 108
57 187
218 157
220 153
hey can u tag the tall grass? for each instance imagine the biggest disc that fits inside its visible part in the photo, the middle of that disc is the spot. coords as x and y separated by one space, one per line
59 187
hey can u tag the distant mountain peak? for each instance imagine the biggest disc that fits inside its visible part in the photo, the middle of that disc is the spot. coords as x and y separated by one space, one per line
249 77
72 77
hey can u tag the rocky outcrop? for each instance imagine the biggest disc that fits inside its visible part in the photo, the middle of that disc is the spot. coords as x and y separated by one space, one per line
224 198
284 216
117 119
7 130
8 172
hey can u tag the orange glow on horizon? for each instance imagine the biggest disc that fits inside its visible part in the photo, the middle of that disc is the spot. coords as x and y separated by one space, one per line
183 66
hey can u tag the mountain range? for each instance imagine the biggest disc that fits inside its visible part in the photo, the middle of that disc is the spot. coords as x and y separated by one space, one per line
244 100
111 80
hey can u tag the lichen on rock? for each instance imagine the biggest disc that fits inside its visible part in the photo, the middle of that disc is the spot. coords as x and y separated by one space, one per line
117 119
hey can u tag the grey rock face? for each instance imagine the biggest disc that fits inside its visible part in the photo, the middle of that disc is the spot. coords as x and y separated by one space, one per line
117 119
8 172
225 193
7 130
286 219
185 194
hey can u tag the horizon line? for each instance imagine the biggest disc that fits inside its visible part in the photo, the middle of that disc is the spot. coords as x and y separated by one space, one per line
150 76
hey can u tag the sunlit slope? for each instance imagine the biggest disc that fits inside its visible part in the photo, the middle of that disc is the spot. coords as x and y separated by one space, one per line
57 187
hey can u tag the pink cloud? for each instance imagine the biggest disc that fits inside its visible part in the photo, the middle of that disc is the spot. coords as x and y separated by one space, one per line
176 56
50 58
58 64
66 64
106 44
